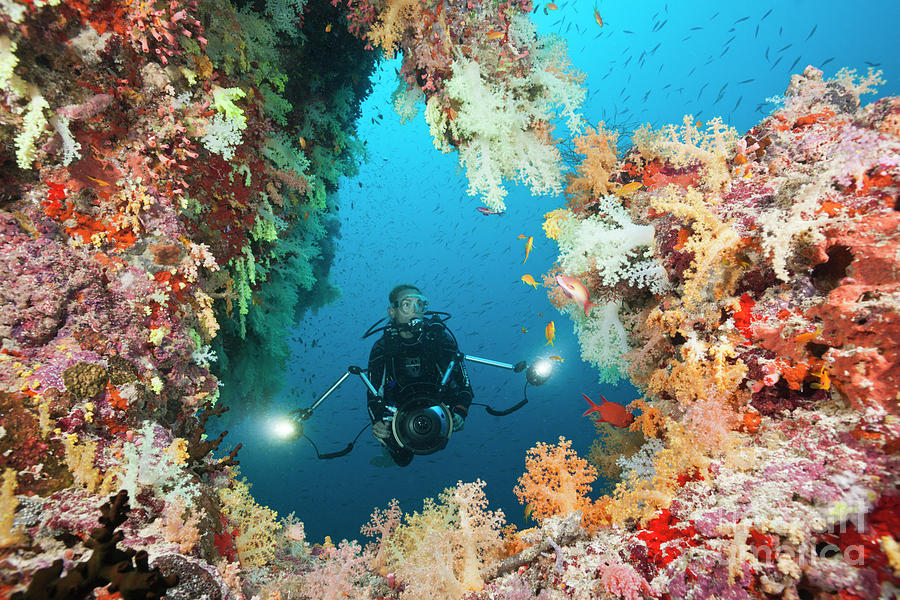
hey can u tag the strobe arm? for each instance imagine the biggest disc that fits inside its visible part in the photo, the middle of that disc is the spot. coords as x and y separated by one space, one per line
532 375
518 367
305 413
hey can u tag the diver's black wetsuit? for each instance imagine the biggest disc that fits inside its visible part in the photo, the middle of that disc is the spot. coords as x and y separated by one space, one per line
395 363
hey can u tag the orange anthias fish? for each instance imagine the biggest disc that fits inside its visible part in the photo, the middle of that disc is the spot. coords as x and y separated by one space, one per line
610 412
550 332
574 289
824 382
598 18
528 246
556 358
494 35
810 335
529 280
630 188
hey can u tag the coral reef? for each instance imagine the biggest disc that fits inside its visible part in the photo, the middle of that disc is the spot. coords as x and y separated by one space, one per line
764 344
166 209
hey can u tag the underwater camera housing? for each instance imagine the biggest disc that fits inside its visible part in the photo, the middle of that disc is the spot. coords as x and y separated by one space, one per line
422 424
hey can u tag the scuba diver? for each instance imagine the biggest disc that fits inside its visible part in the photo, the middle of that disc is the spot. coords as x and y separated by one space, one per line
418 389
408 366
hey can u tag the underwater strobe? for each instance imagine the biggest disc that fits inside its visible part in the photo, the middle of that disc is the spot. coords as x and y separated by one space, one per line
288 429
539 371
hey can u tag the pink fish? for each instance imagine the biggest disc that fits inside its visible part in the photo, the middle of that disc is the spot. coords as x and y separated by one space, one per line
611 412
575 290
486 211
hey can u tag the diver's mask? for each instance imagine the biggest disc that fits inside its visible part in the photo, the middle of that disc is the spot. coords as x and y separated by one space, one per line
412 304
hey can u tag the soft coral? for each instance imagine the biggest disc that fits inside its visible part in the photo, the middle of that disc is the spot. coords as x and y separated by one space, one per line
556 481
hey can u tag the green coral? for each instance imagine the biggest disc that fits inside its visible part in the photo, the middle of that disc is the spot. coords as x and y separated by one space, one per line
223 101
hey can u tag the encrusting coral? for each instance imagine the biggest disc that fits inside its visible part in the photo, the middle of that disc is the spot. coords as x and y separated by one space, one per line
165 208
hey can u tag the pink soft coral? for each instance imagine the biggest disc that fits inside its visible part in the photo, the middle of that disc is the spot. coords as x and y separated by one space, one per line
339 573
622 581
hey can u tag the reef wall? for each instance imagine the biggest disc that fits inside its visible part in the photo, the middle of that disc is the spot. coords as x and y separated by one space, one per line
166 212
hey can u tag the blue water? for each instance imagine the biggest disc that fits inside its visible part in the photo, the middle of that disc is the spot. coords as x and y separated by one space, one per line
406 218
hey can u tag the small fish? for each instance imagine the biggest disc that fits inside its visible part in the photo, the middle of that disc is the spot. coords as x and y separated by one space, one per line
100 181
609 412
552 6
824 382
809 335
574 289
528 246
524 330
528 510
494 35
486 211
827 60
598 18
550 332
768 12
811 32
529 280
557 358
328 28
302 141
306 215
630 188
741 19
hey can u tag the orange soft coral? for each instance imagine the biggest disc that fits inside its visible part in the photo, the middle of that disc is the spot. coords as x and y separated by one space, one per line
556 481
591 179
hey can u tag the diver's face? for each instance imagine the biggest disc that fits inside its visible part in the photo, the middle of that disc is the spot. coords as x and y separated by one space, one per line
411 304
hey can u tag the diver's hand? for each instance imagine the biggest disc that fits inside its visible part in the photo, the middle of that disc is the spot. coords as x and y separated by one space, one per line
381 431
458 422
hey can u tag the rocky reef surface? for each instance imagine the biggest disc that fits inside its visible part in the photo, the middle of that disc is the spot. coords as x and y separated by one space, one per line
165 203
